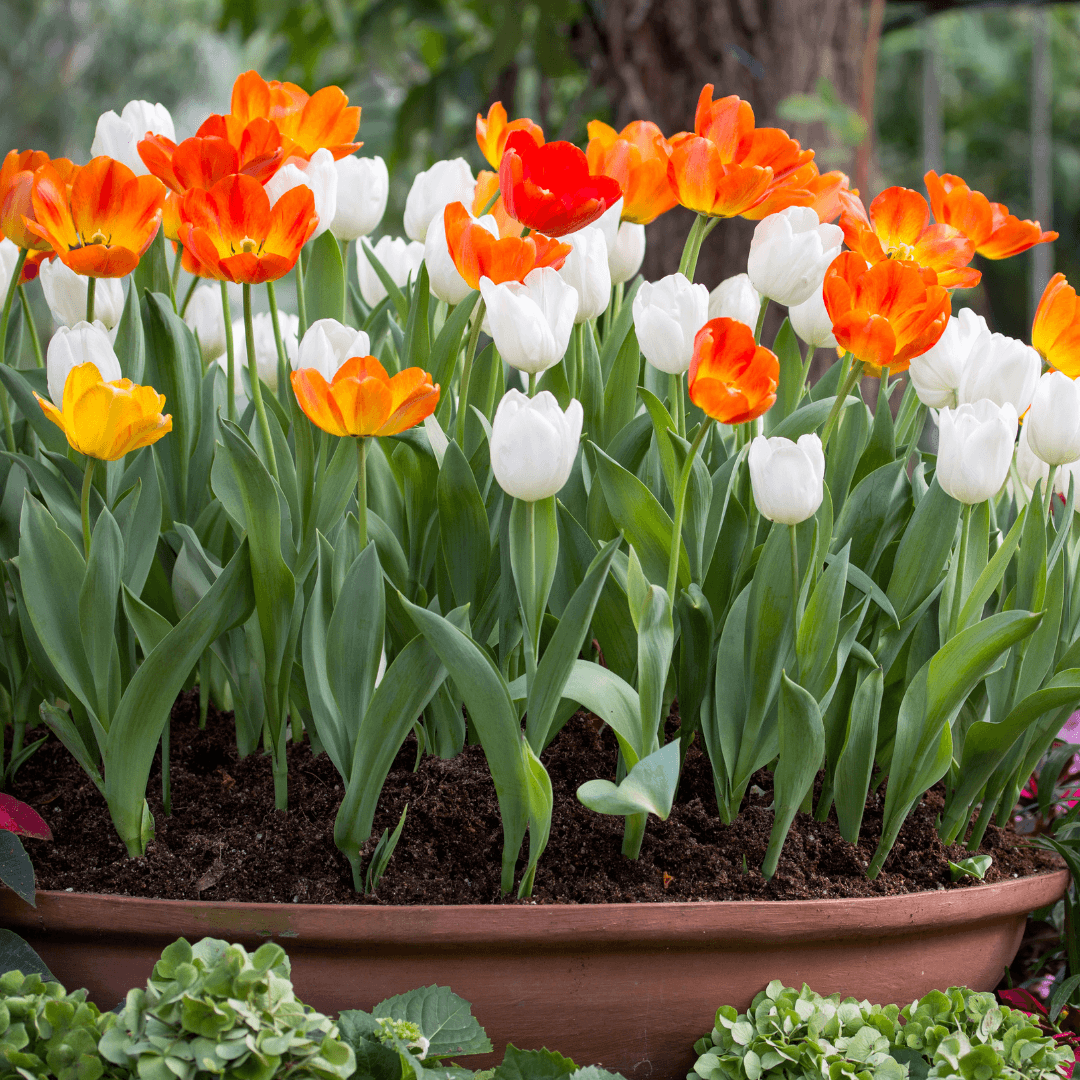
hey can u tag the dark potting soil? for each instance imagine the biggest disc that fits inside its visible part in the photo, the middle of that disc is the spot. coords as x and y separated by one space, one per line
225 841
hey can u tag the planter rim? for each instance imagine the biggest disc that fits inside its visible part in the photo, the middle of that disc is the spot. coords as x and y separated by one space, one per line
582 926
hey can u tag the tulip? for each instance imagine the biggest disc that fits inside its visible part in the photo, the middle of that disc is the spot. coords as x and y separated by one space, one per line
362 191
637 159
1029 468
118 136
492 132
790 253
487 189
65 293
787 477
72 347
16 200
533 444
433 190
1002 369
1055 331
266 357
207 321
628 253
975 448
735 298
936 374
586 271
399 259
327 345
1052 425
443 277
318 174
667 315
531 321
810 320
732 379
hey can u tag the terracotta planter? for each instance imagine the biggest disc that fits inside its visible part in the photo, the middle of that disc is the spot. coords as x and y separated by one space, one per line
629 986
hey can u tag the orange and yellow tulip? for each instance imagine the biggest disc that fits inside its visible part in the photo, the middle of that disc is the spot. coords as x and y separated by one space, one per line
637 158
1055 332
232 233
487 188
492 131
731 378
363 400
887 313
805 187
16 195
106 420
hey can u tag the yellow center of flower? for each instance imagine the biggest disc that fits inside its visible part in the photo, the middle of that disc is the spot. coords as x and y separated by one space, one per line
247 245
903 251
98 238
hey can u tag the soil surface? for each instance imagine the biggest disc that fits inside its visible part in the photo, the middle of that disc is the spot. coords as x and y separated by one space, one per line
225 841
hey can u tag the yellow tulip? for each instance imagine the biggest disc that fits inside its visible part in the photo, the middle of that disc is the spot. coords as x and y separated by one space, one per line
106 420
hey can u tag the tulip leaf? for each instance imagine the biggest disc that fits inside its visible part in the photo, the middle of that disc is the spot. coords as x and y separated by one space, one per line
663 428
417 332
464 540
599 690
324 280
817 633
845 450
97 601
130 344
695 654
534 553
621 380
874 512
649 787
541 802
808 417
55 492
393 291
620 331
853 768
66 730
18 384
152 273
656 640
139 518
788 352
444 350
591 390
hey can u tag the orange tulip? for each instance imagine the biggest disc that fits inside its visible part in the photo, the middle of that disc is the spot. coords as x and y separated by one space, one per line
1055 332
363 400
102 223
805 187
995 232
306 123
898 227
232 233
731 378
487 187
16 195
704 182
476 253
885 314
637 157
492 131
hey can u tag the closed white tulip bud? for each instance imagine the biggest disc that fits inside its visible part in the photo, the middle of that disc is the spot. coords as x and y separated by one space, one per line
266 358
1052 424
70 347
9 256
400 259
812 322
735 298
787 477
362 190
443 278
586 270
432 190
975 447
936 374
1063 477
625 258
1029 468
667 316
328 344
119 136
207 321
531 322
1002 369
319 174
533 444
790 253
65 293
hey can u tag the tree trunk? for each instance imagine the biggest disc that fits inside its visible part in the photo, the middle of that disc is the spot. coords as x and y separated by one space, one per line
655 56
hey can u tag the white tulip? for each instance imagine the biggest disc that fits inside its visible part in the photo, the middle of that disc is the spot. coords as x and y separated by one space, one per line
975 448
401 260
9 256
119 136
320 175
1052 424
443 278
327 345
790 253
362 190
266 358
207 321
936 374
533 444
667 316
787 477
735 298
628 253
65 293
586 270
531 322
1002 369
1063 477
1029 468
432 190
70 347
812 322
608 223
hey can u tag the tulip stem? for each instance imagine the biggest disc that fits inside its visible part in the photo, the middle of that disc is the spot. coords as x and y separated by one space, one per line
301 302
850 379
761 320
795 583
174 281
703 225
466 371
230 356
91 286
490 203
961 561
87 484
361 490
532 384
188 295
28 315
680 508
677 413
13 284
279 344
256 384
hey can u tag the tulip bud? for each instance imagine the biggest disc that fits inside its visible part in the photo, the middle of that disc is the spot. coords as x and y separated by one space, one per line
399 259
327 345
266 358
433 190
667 316
787 477
65 293
443 278
70 347
362 191
118 136
533 444
1052 424
586 270
975 447
936 373
9 256
626 257
1002 369
735 298
320 175
812 322
790 253
207 320
531 322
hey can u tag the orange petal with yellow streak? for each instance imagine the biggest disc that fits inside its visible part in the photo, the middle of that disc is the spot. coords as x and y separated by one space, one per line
898 215
313 396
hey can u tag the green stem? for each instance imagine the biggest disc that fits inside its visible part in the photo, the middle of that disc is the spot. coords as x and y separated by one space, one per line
230 356
466 371
281 774
532 633
166 772
361 490
761 319
204 689
279 344
680 509
579 360
490 203
633 834
675 392
91 287
13 284
795 583
174 281
187 296
28 315
256 385
617 301
88 481
301 301
532 384
688 262
961 562
850 379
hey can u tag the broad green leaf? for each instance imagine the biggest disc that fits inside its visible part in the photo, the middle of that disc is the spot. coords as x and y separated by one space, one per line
97 600
856 763
324 280
541 801
445 1020
152 273
656 640
787 350
463 529
533 1065
18 385
16 869
534 553
649 787
615 701
695 654
17 955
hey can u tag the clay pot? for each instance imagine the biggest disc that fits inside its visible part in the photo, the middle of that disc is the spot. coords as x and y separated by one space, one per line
628 986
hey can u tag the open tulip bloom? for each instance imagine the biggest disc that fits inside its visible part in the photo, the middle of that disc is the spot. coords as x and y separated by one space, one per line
625 496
